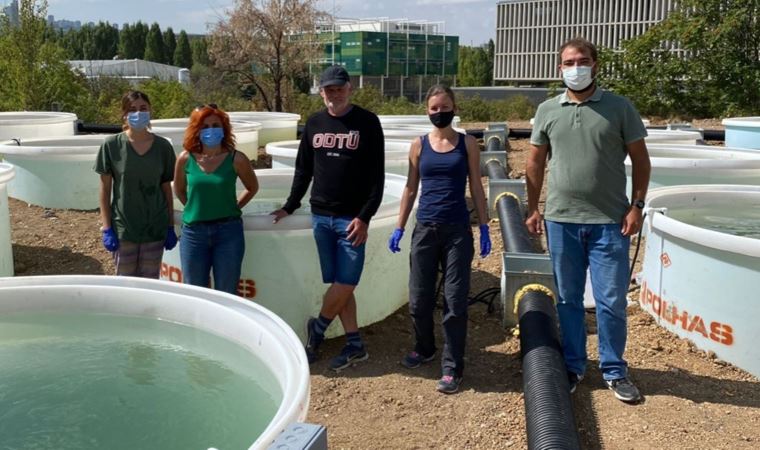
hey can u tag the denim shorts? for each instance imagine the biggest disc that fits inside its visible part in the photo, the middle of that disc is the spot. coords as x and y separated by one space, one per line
340 261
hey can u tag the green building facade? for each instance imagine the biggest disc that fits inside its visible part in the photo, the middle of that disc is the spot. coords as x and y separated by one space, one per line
372 53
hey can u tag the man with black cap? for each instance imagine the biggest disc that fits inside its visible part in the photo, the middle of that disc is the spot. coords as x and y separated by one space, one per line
342 151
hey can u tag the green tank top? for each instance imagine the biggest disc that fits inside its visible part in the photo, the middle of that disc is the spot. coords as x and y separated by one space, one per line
210 196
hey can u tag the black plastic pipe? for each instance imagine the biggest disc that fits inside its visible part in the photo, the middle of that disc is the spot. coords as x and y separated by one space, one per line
514 233
496 171
548 407
98 128
495 144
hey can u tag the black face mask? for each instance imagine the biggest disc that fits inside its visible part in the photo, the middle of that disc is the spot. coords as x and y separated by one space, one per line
442 119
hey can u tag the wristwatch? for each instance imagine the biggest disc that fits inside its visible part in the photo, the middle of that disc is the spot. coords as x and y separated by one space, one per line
639 203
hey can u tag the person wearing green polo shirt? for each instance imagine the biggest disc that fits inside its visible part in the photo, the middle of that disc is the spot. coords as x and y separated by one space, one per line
586 133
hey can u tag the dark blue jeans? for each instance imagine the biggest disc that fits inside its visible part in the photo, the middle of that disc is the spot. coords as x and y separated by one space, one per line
604 250
449 247
219 246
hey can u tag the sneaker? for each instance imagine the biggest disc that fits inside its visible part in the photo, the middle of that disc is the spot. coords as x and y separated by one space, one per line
573 379
313 341
349 356
413 360
449 384
624 390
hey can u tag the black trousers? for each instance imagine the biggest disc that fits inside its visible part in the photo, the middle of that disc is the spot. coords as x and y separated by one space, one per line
450 247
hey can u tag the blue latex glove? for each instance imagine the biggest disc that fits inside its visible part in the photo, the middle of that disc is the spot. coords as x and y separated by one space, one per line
485 241
110 240
171 238
394 240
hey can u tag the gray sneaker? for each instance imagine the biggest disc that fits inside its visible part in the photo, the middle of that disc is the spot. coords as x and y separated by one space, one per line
449 384
413 360
624 390
349 356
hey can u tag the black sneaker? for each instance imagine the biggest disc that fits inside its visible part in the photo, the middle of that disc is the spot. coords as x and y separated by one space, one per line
413 360
349 356
573 379
313 341
624 390
449 384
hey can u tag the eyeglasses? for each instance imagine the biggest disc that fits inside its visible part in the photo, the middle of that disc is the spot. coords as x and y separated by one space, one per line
207 105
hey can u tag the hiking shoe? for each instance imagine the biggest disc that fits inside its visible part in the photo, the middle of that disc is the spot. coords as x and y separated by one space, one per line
624 390
349 356
573 379
413 360
313 341
449 384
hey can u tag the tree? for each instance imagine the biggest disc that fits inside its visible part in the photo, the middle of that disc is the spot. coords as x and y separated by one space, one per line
183 55
702 60
199 48
154 45
474 67
265 43
34 70
170 45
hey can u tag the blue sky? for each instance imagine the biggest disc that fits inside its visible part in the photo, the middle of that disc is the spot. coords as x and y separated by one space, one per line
472 20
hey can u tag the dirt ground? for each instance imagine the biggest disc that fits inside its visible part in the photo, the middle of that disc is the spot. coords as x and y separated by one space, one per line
692 400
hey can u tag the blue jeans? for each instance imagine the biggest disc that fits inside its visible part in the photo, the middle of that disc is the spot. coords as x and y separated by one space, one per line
604 250
339 260
450 248
213 245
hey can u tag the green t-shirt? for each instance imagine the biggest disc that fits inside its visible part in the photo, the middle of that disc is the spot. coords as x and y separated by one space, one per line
587 152
138 206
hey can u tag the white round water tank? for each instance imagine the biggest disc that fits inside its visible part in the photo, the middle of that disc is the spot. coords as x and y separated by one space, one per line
255 332
246 134
34 124
55 172
275 126
6 253
281 270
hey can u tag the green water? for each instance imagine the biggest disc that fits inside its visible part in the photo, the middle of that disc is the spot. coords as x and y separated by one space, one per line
735 219
83 381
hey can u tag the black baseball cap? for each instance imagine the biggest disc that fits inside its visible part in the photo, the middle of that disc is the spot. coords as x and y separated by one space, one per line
333 76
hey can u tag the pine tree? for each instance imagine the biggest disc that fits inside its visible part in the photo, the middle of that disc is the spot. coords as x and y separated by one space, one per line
183 55
154 44
170 45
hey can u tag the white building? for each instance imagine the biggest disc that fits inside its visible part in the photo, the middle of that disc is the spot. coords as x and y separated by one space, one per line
134 70
530 32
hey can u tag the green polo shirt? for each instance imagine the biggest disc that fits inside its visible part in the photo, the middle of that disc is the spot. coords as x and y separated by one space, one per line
586 157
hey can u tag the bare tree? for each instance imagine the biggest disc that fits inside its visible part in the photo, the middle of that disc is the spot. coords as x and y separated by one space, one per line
267 42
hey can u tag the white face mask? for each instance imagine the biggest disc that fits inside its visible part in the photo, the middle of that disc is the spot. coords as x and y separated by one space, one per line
577 78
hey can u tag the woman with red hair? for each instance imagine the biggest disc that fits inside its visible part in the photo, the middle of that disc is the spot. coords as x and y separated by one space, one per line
205 180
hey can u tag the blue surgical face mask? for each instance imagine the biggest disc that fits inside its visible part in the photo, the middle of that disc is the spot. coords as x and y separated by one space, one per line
212 137
138 120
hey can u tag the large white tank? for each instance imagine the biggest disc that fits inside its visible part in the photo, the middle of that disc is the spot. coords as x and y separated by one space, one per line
396 155
36 124
55 172
281 267
6 252
743 132
194 323
702 266
699 164
246 134
275 126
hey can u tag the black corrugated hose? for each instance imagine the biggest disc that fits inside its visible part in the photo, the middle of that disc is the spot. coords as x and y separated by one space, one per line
548 407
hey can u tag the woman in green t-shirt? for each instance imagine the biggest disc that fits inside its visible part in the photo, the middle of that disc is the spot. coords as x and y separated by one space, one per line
136 169
205 180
